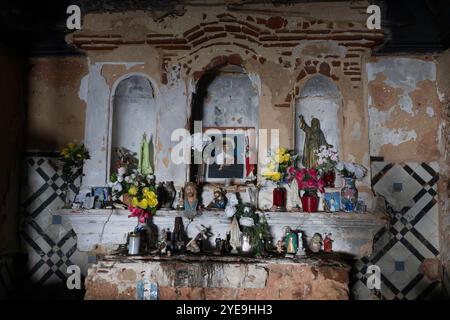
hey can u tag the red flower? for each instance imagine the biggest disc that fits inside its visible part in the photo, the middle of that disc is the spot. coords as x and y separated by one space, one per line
140 213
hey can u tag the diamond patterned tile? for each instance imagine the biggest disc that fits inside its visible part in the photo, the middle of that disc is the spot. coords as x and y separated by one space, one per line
412 235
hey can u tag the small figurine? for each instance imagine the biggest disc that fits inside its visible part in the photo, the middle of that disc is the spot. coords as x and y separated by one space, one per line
180 200
280 247
235 236
169 195
190 200
195 244
246 247
291 242
178 234
219 246
300 248
219 201
328 243
316 243
261 245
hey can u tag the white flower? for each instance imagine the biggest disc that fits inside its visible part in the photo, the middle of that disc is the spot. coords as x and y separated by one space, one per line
121 171
230 211
340 166
127 179
232 199
359 173
350 167
119 178
117 187
111 184
133 176
246 222
246 209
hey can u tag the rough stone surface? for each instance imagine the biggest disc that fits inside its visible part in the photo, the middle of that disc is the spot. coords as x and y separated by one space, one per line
306 279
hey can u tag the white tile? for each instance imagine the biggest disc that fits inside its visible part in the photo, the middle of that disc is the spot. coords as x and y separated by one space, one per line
417 244
423 173
418 206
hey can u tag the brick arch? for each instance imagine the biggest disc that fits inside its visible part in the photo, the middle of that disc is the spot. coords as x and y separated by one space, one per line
309 70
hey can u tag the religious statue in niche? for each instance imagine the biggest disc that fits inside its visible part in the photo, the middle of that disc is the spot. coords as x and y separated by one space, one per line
314 139
190 200
144 160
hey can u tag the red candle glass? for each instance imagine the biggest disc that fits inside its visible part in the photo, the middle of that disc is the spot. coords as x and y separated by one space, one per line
279 198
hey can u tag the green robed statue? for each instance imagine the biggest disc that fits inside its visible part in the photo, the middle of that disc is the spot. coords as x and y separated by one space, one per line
314 139
144 158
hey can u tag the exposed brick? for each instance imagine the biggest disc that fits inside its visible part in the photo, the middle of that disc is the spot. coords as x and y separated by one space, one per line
301 75
235 59
195 35
231 28
203 24
287 53
334 77
217 35
305 25
262 60
249 31
324 69
214 29
200 41
250 18
268 38
283 105
261 21
190 31
310 69
276 22
336 63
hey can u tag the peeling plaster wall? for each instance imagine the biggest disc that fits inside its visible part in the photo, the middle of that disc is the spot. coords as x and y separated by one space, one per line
443 81
404 109
56 102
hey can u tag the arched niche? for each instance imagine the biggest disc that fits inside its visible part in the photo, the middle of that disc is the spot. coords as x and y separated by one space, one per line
225 98
319 98
133 114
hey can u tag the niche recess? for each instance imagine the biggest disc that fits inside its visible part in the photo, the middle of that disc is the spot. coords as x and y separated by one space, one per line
225 98
133 114
321 99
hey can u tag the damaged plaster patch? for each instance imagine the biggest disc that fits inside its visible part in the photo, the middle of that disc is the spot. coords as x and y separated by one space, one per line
313 47
403 74
380 134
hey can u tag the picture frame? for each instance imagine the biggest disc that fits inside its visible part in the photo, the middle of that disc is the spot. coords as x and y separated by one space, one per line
235 172
332 199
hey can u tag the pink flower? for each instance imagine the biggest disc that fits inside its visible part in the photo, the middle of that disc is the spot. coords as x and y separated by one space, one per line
312 172
140 213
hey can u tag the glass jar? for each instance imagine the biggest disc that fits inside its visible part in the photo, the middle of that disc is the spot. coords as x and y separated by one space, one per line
349 195
310 201
279 198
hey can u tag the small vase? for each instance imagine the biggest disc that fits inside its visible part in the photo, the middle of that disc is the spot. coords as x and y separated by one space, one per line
310 201
349 195
329 177
279 198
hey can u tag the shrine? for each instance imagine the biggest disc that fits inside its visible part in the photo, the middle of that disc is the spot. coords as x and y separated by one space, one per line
234 151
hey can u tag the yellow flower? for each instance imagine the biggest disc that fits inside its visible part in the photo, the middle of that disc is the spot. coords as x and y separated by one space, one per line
279 158
268 173
135 201
133 191
271 166
287 157
71 145
153 202
78 156
143 204
280 150
65 152
276 176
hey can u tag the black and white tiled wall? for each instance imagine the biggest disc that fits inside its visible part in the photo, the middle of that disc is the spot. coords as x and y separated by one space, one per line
50 245
410 191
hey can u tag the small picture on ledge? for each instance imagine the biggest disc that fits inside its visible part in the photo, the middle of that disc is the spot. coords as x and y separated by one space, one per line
332 199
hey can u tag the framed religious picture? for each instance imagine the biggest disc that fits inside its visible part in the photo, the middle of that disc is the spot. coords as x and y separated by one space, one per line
332 199
231 162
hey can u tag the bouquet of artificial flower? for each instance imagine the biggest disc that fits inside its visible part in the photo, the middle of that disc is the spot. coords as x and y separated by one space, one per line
281 160
73 157
327 158
307 179
351 170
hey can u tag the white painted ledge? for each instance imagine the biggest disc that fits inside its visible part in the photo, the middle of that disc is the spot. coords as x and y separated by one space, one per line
353 232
